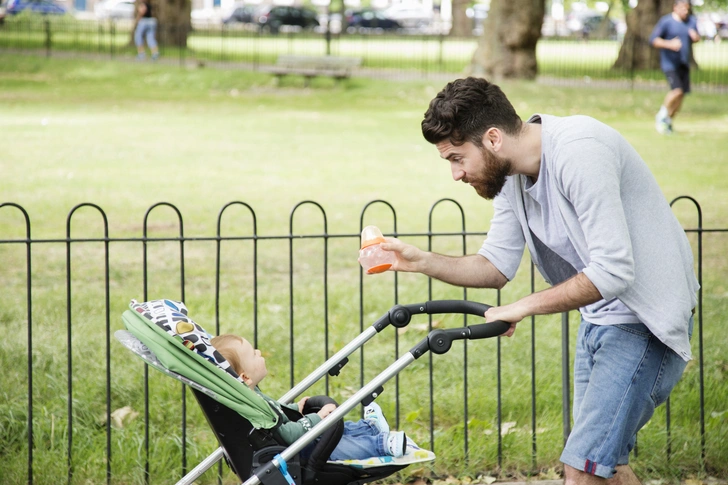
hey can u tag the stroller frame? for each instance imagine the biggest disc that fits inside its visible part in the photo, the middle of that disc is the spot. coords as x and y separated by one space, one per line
235 446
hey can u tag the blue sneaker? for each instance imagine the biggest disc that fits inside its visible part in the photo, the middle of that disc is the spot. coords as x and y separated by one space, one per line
374 413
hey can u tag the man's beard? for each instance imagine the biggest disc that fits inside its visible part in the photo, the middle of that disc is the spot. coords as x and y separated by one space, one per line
489 181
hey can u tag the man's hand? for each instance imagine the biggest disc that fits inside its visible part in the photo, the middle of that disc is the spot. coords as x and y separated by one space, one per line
406 255
326 410
694 35
302 403
507 313
674 44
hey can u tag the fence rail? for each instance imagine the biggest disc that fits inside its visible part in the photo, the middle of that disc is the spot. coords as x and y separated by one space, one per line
87 280
395 55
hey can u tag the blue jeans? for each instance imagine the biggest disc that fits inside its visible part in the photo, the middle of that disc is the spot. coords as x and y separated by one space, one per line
361 439
146 28
621 374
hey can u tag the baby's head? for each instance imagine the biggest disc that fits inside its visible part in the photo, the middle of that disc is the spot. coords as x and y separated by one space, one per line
242 357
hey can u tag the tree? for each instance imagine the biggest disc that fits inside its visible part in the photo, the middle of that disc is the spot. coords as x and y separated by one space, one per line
507 48
636 51
174 21
461 24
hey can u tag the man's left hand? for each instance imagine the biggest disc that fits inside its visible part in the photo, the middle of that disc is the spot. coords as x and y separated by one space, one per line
506 313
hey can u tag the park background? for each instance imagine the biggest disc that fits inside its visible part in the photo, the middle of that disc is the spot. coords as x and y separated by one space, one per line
84 124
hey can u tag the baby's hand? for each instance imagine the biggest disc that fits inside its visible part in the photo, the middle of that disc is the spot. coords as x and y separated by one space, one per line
302 403
326 410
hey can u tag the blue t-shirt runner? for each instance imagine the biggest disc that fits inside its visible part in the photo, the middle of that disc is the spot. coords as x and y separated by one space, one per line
669 27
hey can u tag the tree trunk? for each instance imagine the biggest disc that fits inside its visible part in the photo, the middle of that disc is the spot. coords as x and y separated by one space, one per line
174 21
462 26
636 51
507 48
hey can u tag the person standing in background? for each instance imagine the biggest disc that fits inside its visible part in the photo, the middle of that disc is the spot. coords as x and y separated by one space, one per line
146 28
674 35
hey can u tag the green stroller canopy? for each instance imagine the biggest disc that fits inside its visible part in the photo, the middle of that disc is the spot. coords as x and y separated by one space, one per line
183 346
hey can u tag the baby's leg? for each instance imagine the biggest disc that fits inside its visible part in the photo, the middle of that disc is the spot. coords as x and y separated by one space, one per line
360 447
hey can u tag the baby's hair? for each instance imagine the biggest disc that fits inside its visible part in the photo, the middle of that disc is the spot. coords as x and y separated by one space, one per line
224 344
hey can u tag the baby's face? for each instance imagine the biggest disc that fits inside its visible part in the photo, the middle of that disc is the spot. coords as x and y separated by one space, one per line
252 362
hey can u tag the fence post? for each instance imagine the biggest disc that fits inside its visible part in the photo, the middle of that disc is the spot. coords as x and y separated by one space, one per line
47 26
112 37
442 41
565 380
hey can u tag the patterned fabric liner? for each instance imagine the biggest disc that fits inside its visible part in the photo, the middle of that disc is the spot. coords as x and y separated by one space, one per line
414 454
172 317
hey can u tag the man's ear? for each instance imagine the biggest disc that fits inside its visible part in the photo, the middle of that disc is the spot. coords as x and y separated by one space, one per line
492 139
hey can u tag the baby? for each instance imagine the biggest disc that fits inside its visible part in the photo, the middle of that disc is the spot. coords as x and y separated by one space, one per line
361 439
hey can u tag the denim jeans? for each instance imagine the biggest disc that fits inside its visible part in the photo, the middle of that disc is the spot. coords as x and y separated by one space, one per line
146 28
621 374
361 439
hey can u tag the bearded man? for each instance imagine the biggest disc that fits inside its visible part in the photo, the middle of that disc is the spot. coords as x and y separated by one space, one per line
600 231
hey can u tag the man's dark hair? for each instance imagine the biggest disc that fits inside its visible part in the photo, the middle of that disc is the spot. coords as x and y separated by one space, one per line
465 109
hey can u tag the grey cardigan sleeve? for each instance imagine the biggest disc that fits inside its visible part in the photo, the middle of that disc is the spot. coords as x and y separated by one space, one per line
505 242
589 176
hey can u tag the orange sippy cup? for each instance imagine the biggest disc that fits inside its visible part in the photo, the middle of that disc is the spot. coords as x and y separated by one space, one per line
372 257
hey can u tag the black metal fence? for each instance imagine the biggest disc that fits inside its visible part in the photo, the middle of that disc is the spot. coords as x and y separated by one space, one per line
393 55
54 290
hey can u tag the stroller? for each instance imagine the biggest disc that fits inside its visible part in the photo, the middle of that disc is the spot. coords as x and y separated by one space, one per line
165 337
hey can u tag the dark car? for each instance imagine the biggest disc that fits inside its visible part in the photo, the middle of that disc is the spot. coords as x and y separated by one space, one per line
370 19
45 7
244 14
273 18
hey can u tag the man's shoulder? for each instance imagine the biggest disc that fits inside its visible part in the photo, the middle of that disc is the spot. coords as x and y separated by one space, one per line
666 19
561 129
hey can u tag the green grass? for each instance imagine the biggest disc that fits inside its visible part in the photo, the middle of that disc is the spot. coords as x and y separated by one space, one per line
128 135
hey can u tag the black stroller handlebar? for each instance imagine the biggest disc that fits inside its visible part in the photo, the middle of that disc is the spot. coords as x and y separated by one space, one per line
456 306
488 330
400 315
439 341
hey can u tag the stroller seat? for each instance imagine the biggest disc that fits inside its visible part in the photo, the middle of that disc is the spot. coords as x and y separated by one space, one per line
165 337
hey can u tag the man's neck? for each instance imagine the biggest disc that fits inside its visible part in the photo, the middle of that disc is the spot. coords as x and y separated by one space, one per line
527 151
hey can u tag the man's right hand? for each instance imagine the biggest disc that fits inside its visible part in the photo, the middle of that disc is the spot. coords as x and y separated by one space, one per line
407 256
674 44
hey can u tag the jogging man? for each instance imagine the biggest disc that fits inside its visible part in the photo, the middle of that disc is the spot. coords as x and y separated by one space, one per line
673 35
600 231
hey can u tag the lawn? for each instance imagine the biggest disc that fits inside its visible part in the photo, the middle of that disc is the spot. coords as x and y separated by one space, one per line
127 135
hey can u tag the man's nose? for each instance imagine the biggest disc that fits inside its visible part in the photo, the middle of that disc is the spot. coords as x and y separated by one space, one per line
457 173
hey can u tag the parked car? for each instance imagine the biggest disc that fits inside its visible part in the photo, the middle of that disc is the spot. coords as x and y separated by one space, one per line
244 14
273 18
115 9
45 7
369 18
410 16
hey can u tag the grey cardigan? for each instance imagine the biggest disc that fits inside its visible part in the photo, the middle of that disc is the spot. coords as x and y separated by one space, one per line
614 214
